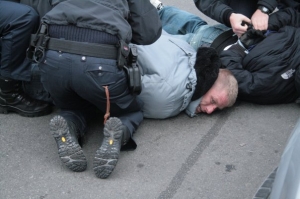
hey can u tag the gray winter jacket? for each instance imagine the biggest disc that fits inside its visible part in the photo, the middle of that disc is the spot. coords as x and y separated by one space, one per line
168 76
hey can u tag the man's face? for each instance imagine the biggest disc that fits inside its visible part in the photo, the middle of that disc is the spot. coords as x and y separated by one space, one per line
215 98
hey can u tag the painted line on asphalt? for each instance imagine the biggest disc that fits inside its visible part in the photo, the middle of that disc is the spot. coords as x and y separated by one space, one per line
194 156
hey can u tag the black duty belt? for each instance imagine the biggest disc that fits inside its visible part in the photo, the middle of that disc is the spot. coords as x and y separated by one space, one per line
82 48
41 42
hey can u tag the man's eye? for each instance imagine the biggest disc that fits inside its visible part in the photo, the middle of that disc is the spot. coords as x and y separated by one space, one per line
212 101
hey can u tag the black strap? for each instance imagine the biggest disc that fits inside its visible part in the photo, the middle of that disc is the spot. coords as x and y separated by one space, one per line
89 49
223 40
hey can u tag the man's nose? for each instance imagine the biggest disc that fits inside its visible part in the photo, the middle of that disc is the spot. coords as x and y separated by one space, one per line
211 109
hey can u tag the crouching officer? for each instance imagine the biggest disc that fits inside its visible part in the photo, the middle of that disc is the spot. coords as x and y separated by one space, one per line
82 48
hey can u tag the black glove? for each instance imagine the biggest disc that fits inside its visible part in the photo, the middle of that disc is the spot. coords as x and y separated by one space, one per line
252 37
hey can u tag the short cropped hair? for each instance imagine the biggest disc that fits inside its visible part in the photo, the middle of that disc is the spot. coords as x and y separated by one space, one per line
228 82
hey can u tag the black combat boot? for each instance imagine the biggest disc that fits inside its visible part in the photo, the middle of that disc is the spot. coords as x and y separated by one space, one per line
106 158
66 135
13 99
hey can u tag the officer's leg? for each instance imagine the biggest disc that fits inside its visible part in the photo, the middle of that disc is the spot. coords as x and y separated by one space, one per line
17 22
126 116
67 127
117 133
101 80
71 122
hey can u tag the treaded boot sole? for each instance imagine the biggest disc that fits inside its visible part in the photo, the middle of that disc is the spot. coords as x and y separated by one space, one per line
6 109
69 150
107 155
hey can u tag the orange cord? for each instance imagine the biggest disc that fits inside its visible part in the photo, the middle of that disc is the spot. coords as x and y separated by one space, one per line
107 114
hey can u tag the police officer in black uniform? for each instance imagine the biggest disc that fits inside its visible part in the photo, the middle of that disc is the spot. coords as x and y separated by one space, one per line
83 49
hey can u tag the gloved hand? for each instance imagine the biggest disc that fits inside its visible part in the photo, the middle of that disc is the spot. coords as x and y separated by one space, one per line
252 37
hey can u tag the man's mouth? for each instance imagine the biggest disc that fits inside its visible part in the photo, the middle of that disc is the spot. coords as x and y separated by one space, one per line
199 110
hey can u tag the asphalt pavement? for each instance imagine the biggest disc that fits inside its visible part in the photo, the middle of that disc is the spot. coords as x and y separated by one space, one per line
226 155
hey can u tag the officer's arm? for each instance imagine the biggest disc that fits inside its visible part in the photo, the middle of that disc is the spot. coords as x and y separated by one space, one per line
232 59
270 4
285 17
216 10
145 22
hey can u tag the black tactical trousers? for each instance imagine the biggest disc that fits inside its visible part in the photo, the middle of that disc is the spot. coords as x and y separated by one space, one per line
76 84
17 23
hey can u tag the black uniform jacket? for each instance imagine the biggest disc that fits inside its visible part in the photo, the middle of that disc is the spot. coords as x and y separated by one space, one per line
270 72
220 10
131 20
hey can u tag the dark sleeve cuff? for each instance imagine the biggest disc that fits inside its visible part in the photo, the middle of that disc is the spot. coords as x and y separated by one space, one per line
226 19
269 6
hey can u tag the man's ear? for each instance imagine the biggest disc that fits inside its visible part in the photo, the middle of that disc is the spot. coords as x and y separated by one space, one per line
207 70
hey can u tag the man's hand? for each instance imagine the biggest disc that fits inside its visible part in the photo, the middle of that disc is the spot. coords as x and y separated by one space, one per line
260 20
236 21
